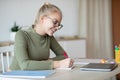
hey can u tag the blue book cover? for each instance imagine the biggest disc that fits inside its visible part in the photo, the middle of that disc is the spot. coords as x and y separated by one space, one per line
28 74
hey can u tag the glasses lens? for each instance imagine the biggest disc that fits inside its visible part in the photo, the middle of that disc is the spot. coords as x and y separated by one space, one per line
56 23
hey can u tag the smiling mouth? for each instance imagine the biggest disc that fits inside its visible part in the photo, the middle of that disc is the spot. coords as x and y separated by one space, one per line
53 30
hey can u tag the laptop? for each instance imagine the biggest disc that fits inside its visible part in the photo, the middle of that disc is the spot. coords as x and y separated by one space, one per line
98 67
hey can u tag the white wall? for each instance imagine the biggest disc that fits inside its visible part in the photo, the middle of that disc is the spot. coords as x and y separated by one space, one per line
24 12
75 20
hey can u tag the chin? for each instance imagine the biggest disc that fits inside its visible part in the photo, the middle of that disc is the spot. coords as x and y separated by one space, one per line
50 34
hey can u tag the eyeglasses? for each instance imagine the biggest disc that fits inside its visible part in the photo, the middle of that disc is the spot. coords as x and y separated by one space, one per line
56 23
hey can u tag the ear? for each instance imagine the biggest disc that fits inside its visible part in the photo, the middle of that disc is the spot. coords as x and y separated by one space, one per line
41 19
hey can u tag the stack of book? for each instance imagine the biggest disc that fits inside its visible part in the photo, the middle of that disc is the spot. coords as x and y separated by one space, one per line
99 67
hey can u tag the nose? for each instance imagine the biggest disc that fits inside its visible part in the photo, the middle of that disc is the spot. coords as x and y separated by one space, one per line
55 27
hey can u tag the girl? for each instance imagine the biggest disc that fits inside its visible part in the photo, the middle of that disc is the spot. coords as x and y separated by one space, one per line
32 46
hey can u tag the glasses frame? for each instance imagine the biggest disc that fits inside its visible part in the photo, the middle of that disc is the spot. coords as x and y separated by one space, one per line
59 26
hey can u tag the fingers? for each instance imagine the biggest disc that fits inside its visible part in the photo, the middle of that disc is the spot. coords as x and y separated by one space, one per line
71 63
66 63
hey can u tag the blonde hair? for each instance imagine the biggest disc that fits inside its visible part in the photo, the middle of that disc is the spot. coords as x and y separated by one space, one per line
45 9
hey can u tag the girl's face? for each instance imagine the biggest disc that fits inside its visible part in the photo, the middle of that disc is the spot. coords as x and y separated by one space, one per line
51 23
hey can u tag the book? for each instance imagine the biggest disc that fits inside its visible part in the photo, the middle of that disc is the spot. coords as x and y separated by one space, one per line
98 67
28 74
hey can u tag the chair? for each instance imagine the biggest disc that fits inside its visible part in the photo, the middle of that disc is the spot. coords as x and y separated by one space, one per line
6 54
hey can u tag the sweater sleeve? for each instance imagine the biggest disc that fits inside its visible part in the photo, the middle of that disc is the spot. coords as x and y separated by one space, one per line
22 56
57 49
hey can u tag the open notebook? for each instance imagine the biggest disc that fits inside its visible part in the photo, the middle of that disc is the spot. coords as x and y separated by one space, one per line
70 68
28 74
98 67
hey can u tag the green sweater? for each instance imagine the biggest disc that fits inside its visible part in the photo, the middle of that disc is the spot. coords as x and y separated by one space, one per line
32 51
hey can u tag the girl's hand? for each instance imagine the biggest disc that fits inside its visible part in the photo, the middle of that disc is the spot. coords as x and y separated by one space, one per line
66 63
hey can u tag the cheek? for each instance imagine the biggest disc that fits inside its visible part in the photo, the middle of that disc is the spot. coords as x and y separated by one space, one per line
47 24
47 29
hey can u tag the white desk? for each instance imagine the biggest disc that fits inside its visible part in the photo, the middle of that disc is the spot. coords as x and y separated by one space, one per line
76 74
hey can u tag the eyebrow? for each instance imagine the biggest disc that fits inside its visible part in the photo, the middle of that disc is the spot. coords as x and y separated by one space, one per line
56 20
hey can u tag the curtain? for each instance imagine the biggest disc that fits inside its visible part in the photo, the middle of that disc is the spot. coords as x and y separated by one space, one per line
98 28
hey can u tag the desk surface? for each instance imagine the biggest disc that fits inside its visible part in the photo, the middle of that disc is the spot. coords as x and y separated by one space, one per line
77 74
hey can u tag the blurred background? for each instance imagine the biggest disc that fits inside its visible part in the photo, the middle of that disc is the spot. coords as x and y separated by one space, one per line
94 21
